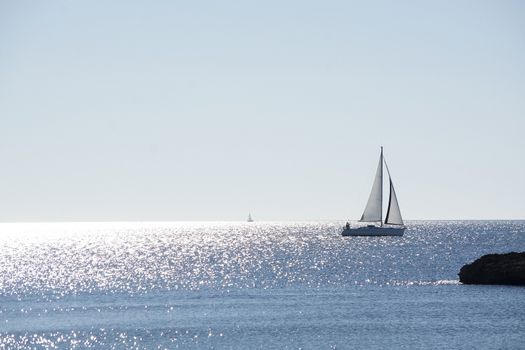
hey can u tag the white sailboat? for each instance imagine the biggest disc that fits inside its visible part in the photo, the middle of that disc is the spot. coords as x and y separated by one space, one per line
373 215
250 217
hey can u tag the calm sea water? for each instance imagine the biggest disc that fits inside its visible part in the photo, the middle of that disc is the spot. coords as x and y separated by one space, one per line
257 285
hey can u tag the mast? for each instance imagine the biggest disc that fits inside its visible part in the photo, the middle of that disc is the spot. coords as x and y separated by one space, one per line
381 182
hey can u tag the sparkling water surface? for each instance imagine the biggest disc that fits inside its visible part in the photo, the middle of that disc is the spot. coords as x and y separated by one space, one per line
254 285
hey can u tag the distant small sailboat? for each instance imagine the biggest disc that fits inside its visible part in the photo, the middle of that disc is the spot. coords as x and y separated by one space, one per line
250 218
393 224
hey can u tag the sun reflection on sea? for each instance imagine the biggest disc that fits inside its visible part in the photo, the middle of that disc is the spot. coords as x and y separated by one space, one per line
65 258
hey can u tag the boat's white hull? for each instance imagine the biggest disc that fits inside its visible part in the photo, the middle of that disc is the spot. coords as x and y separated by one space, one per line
374 231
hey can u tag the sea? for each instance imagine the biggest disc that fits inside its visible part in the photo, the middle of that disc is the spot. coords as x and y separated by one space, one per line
260 285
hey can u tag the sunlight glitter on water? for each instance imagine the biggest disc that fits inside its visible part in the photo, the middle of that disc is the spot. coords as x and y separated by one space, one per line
144 285
63 258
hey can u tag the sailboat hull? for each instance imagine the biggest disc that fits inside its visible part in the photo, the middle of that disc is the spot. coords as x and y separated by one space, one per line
374 231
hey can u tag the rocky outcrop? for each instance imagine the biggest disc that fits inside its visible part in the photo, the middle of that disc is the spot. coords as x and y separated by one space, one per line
495 269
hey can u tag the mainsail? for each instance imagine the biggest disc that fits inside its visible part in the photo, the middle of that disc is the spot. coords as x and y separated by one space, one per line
373 210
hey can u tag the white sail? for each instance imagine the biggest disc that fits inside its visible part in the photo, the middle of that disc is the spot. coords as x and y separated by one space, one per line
373 210
393 214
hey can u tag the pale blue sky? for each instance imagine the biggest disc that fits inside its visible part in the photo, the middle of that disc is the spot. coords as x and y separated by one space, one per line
197 110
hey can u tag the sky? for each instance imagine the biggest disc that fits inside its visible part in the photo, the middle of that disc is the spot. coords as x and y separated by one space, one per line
208 110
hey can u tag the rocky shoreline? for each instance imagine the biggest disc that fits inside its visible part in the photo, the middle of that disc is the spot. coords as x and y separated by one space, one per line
507 269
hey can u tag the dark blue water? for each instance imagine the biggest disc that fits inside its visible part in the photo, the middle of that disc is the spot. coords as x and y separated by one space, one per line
258 285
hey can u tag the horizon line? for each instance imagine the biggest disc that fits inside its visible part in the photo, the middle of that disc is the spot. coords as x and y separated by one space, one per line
232 221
